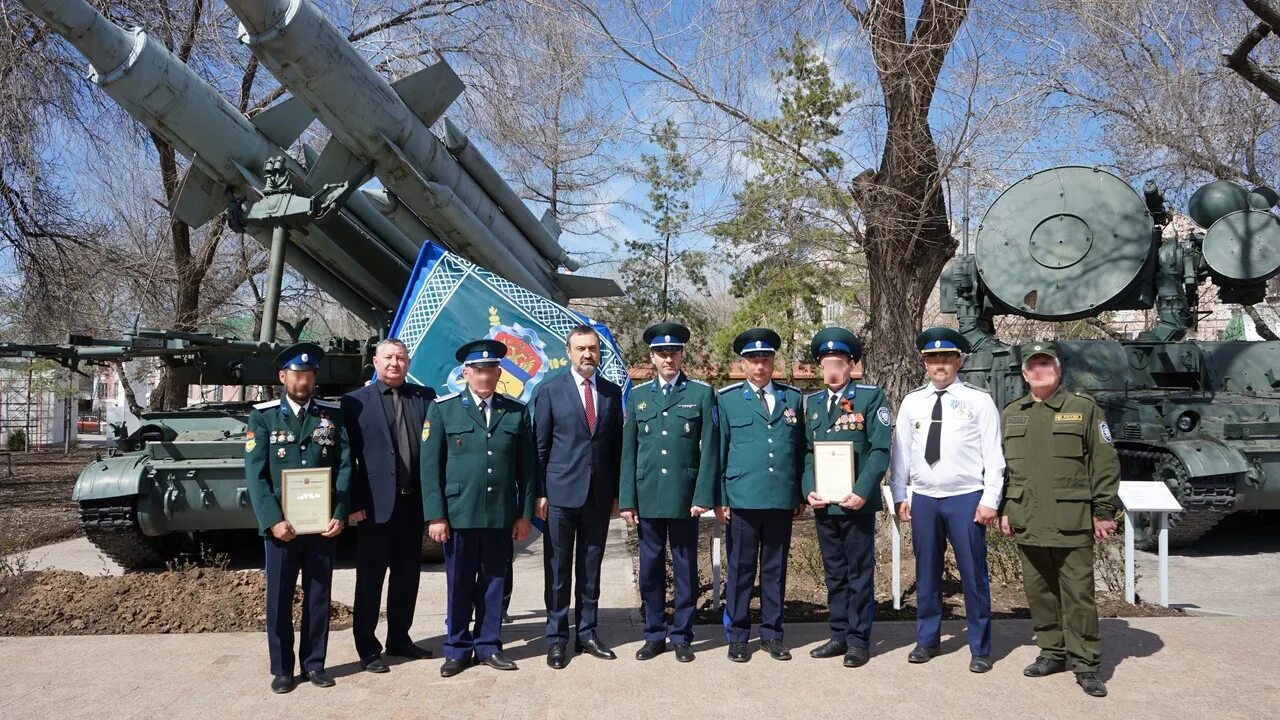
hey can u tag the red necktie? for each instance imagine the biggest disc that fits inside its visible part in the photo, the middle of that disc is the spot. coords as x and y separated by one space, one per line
590 404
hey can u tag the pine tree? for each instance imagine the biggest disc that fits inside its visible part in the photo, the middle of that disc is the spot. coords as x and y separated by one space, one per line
784 236
661 274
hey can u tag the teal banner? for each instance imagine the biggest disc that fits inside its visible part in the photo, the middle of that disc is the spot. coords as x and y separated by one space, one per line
450 301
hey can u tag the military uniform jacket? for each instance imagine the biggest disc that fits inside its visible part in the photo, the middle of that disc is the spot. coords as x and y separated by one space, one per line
762 453
477 475
861 416
1062 469
670 449
276 440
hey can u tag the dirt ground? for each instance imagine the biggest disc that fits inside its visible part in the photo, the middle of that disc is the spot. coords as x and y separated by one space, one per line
35 503
192 600
806 599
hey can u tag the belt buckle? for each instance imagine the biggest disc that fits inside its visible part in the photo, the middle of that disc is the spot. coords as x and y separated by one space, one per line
407 490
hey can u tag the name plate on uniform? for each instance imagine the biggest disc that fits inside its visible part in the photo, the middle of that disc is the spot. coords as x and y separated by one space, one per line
306 497
833 469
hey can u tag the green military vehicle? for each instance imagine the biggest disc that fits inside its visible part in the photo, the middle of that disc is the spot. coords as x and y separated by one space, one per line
1068 243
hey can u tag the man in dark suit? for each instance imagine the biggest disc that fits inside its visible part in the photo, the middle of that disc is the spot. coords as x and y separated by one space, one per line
296 432
384 420
577 419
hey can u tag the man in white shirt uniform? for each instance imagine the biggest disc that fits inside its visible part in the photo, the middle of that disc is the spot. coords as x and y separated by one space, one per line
947 444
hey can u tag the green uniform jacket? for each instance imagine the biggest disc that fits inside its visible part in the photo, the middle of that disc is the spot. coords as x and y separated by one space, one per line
1062 469
762 454
473 475
276 440
862 416
670 449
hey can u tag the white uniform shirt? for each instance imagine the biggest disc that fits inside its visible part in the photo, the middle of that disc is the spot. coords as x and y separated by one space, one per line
970 456
769 390
582 392
488 404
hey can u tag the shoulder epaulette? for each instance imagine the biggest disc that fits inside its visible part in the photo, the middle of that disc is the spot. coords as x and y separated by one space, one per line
785 386
327 403
922 387
510 398
727 388
450 396
815 393
975 387
698 382
268 404
867 387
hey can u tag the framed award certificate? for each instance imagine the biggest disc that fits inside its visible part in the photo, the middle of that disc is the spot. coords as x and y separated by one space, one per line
306 497
833 469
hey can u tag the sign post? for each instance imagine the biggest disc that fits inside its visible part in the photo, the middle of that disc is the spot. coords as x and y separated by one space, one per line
1153 497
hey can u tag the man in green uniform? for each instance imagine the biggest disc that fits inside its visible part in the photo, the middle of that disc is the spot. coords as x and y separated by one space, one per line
298 431
670 446
1061 484
478 467
762 458
846 525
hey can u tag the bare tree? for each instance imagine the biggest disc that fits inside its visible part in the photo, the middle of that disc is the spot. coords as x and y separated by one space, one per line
894 206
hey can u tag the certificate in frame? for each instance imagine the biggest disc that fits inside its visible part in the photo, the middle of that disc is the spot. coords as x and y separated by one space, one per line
833 469
306 497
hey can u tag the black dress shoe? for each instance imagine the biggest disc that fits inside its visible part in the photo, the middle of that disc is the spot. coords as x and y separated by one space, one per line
684 653
320 678
498 661
738 652
593 646
413 652
829 649
454 666
856 657
1044 666
979 664
776 649
374 664
921 654
557 657
1091 684
281 684
651 649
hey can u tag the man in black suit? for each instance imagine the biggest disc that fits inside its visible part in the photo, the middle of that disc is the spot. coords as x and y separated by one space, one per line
384 421
577 420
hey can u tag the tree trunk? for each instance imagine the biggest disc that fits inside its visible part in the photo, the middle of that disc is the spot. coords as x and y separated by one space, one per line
908 237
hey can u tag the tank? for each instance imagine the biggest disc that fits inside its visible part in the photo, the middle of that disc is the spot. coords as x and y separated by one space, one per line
1203 417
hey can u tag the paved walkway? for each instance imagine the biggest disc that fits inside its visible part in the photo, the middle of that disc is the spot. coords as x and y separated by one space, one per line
1157 667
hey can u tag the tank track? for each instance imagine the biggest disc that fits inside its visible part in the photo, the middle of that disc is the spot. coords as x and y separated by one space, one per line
1209 499
112 526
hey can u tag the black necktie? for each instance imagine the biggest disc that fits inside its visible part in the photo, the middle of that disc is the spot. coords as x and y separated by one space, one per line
933 446
484 411
831 411
760 394
666 389
404 476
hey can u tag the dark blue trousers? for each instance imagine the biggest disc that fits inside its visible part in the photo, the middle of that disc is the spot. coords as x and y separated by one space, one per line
312 556
848 544
475 564
934 523
655 533
572 550
757 538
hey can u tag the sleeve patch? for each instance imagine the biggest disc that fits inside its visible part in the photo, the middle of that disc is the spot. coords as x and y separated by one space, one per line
249 442
426 429
883 416
1106 431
